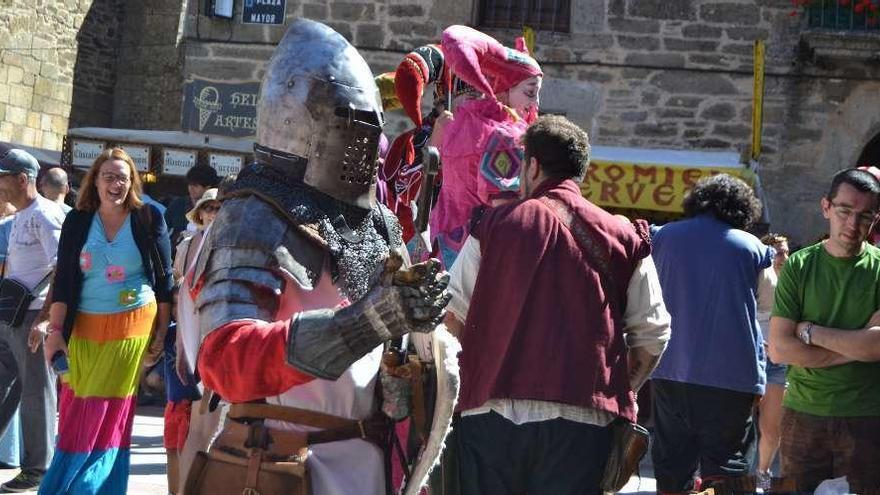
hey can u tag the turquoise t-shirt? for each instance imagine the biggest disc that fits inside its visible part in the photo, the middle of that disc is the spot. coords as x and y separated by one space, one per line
114 279
839 293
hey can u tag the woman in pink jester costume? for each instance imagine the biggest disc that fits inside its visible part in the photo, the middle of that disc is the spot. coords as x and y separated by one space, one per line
480 152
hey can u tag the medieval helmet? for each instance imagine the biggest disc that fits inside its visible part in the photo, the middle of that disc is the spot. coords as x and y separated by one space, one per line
320 109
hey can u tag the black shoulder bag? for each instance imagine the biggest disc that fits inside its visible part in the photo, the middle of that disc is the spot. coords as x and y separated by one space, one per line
16 298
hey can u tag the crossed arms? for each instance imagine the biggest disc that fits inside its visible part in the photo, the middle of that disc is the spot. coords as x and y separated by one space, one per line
828 346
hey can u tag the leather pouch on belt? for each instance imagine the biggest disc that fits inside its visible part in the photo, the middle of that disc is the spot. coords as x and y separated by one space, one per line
628 446
247 466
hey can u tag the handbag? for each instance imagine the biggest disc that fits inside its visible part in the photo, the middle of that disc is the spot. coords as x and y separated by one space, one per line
629 443
219 472
16 298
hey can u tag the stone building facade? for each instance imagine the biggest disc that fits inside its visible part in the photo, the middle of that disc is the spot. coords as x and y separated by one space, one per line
642 73
55 58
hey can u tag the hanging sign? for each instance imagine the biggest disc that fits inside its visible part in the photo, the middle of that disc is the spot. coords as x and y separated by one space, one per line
178 162
140 155
263 12
226 164
85 152
224 109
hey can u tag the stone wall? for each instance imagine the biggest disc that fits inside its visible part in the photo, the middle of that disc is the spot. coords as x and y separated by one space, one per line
148 93
643 73
57 64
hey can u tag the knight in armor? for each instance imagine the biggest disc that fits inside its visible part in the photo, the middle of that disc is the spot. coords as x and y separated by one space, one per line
480 149
299 285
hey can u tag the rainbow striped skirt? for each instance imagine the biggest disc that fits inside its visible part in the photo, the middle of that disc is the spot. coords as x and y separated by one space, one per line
98 398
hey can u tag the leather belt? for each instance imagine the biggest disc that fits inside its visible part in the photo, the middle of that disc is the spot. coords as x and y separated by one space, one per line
247 429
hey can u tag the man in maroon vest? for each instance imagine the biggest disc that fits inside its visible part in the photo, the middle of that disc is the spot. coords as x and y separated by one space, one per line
563 320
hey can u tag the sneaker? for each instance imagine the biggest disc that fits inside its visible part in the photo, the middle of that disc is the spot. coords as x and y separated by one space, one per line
763 481
24 482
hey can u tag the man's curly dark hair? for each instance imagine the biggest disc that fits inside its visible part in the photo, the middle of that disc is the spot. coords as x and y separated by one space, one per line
725 197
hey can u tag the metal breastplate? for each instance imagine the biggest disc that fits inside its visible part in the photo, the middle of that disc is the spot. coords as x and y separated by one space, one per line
358 240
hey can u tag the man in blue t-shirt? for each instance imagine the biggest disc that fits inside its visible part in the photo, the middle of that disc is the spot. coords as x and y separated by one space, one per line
706 384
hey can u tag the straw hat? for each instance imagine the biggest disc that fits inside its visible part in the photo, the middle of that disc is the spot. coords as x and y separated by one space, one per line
208 196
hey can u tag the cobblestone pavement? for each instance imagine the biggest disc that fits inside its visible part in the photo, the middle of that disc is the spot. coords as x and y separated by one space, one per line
148 460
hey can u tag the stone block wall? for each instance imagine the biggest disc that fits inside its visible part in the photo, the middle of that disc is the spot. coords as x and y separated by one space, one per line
57 65
149 78
643 73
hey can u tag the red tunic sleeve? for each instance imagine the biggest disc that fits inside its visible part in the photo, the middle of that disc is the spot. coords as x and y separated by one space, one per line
246 360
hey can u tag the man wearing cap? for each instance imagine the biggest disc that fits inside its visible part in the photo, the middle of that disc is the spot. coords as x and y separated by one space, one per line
25 378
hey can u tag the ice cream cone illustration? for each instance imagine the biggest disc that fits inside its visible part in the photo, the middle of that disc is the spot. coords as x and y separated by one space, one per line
208 102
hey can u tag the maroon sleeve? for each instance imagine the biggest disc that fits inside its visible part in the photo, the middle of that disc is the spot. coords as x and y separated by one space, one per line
246 360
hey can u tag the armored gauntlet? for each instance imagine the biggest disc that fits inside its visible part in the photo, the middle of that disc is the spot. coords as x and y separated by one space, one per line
325 342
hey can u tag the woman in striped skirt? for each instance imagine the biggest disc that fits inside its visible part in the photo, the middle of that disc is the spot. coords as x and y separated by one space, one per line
112 288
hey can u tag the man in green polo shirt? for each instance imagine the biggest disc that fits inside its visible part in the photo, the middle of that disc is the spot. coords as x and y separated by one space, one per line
823 326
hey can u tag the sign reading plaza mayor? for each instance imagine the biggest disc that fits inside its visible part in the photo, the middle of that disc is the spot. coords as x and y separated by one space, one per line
219 108
645 186
263 11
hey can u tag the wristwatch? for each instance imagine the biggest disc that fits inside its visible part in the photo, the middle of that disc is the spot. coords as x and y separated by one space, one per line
805 333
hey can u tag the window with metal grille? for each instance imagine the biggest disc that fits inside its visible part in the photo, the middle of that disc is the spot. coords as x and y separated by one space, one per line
844 15
542 15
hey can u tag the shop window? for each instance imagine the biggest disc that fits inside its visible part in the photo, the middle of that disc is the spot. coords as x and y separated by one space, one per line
542 15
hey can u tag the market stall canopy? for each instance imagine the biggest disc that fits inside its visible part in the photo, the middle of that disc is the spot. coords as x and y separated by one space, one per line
654 179
47 158
168 152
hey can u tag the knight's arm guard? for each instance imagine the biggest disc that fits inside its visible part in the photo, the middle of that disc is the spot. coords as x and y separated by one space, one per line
325 343
238 284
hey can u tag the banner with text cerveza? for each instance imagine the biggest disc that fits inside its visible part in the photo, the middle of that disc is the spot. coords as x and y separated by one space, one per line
220 108
642 186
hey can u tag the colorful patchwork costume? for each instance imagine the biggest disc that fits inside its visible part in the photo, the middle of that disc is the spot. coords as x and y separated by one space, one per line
480 153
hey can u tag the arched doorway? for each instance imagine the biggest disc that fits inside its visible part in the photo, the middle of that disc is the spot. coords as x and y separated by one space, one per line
871 154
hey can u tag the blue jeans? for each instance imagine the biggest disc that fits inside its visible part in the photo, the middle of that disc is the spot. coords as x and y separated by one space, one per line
26 380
